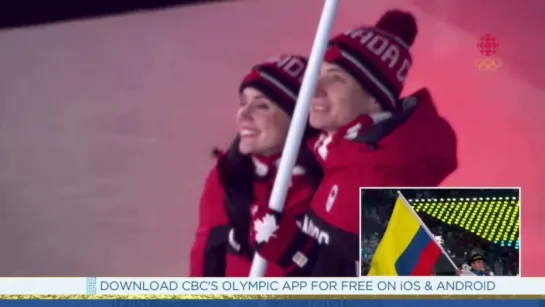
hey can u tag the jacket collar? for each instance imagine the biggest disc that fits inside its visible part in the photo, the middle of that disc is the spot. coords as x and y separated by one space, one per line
350 131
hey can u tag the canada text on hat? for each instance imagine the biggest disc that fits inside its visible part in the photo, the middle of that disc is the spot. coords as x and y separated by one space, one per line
279 78
381 44
379 56
294 66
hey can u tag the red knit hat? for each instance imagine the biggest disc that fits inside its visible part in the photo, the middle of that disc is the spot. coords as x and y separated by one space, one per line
378 57
279 79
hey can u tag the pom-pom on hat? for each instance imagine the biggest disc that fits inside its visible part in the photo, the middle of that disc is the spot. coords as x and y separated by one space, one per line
378 57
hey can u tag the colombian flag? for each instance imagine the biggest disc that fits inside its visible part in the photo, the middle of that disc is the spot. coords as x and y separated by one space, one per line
406 249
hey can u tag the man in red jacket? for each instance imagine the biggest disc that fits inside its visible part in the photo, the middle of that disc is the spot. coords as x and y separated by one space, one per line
371 138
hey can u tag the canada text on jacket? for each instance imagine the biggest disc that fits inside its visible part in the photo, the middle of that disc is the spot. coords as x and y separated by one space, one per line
311 229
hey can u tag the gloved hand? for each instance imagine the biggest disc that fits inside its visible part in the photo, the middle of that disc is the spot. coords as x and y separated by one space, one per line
240 221
238 198
278 238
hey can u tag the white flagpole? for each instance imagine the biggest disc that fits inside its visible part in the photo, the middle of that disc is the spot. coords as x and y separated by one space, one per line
406 202
299 120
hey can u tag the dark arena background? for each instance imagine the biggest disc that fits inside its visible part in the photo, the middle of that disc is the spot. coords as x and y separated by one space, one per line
464 222
24 13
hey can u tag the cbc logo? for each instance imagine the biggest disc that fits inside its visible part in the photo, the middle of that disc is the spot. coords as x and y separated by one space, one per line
488 46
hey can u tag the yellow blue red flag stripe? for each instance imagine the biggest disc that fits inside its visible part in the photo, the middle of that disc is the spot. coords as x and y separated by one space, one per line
406 248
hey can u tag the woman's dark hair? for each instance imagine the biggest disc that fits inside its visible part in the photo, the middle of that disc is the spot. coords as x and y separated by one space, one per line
237 175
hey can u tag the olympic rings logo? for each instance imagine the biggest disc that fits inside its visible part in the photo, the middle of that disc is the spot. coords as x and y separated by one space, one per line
488 64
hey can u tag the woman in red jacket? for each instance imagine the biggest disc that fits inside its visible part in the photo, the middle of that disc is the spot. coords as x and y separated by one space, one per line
244 175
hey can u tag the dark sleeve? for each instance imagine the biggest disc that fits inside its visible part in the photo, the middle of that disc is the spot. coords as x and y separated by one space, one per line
208 252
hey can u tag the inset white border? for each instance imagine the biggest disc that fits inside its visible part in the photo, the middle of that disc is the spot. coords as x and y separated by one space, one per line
442 188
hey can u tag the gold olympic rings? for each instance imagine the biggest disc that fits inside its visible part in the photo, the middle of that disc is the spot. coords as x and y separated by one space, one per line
488 64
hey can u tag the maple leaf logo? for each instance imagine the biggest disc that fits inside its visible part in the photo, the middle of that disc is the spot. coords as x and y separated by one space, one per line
265 228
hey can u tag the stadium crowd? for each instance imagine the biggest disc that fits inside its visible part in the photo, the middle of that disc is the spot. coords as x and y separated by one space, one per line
459 243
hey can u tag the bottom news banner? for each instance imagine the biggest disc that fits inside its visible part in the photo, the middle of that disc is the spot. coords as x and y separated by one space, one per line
415 291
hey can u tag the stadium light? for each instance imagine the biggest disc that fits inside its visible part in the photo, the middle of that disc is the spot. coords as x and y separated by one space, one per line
494 222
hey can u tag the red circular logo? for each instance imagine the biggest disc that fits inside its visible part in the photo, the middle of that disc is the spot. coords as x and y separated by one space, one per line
488 45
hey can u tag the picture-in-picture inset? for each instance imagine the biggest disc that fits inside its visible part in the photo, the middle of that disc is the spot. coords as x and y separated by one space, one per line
440 231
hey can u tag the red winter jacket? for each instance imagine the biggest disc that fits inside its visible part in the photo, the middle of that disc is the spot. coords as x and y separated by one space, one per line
414 148
211 254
